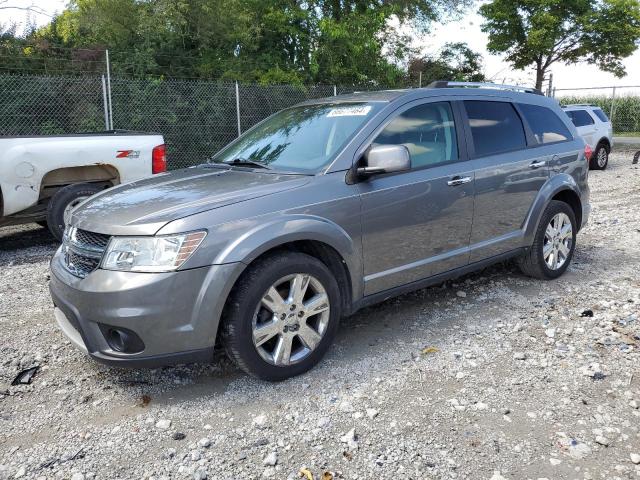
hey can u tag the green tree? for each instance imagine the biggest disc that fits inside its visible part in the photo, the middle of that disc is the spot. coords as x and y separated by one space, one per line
455 61
540 33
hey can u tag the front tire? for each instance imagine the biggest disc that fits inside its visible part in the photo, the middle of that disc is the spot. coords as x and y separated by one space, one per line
553 245
282 316
600 158
62 204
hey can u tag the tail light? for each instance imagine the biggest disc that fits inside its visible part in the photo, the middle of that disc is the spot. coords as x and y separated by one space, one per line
587 152
159 159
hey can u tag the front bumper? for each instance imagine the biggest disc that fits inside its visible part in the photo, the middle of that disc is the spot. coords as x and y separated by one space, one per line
175 315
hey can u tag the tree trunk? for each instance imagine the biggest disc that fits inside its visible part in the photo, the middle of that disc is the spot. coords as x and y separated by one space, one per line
540 71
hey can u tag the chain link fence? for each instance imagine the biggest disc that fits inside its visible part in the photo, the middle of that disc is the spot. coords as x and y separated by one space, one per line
621 104
196 118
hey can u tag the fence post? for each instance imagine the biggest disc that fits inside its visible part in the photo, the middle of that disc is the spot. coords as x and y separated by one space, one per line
420 80
109 90
613 105
335 91
105 103
238 109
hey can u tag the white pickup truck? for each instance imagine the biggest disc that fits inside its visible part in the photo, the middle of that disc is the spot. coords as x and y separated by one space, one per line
43 178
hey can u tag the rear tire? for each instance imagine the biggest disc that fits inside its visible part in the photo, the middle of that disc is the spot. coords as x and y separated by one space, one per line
65 199
553 242
259 324
600 158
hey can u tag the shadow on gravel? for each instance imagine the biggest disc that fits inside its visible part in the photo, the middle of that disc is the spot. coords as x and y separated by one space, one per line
368 335
25 236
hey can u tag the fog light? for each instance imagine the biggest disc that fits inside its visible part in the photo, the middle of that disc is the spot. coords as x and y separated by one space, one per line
122 339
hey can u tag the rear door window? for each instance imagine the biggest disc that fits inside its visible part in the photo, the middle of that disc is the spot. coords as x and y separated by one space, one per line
495 127
545 124
580 118
601 115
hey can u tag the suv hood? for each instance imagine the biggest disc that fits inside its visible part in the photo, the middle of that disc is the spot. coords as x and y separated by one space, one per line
143 207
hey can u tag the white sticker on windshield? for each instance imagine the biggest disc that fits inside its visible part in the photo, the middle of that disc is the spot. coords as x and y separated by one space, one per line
350 111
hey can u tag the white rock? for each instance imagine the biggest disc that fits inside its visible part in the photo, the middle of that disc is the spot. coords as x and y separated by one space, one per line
195 455
602 440
260 421
555 461
77 476
204 442
497 476
460 375
200 475
520 356
270 459
634 404
269 472
635 458
350 439
163 424
372 413
481 406
550 332
323 422
20 473
579 450
461 294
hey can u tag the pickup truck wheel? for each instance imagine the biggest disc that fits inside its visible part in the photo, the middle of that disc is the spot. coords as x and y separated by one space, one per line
282 316
553 245
63 203
600 158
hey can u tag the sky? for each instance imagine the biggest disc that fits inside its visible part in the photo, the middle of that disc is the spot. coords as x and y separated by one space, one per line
466 29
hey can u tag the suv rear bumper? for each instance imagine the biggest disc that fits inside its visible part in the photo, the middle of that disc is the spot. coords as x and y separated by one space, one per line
159 318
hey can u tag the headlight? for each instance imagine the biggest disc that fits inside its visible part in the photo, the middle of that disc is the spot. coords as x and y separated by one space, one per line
151 254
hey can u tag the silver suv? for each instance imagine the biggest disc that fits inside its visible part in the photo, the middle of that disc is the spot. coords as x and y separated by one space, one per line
314 213
593 125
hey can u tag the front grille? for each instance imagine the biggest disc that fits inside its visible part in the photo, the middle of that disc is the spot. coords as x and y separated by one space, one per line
83 250
94 239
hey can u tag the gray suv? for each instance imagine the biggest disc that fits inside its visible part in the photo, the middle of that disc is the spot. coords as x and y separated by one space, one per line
314 213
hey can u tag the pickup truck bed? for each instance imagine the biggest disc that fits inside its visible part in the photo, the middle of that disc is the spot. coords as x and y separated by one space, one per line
43 177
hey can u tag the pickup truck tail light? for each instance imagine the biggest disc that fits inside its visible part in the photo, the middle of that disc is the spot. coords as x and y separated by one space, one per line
587 152
159 159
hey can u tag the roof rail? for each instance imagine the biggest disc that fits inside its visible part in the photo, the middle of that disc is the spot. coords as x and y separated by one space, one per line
495 86
579 105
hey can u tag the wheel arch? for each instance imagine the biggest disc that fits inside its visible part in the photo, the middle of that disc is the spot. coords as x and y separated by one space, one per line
560 187
604 141
320 250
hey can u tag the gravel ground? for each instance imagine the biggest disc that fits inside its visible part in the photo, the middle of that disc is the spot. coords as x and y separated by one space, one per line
493 376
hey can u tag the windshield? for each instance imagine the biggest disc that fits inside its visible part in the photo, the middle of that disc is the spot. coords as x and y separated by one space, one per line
299 139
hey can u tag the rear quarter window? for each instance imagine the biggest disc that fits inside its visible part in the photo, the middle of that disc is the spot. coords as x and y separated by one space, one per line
545 124
601 115
580 118
495 127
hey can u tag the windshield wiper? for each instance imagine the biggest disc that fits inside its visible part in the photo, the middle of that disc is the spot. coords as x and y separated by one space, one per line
244 162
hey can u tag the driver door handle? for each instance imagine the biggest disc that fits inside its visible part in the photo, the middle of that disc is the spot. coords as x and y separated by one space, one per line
458 181
538 164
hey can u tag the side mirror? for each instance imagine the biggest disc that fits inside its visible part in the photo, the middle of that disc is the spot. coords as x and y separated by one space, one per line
385 159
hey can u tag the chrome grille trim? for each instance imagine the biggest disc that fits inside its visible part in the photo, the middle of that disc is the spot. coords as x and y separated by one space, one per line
83 250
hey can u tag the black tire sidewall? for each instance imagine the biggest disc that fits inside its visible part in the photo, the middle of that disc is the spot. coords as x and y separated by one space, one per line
553 209
237 330
594 158
62 198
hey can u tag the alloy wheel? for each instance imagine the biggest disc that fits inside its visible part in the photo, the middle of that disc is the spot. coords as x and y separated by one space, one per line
558 239
602 157
291 319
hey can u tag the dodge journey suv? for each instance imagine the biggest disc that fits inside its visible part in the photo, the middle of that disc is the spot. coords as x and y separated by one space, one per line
314 213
